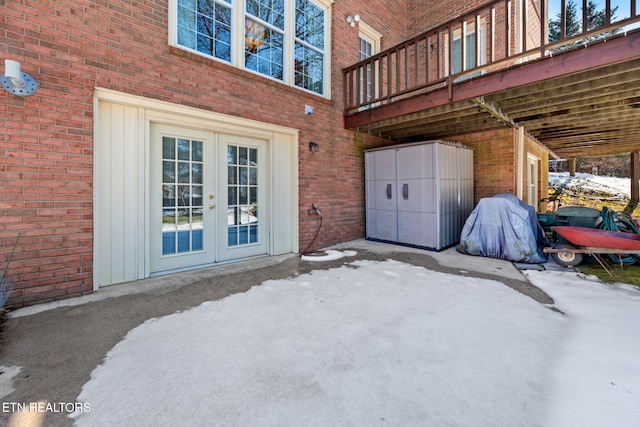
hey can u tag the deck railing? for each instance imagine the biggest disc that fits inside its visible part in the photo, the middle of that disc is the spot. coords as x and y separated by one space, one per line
494 36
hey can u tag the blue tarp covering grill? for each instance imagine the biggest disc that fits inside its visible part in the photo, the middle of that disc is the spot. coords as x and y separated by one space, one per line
504 227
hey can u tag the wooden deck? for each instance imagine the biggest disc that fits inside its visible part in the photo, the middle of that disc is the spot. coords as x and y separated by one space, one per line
578 96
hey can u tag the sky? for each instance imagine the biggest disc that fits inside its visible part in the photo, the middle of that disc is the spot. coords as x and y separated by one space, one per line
378 344
622 11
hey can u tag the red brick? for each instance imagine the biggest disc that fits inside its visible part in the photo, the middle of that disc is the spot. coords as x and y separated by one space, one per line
76 45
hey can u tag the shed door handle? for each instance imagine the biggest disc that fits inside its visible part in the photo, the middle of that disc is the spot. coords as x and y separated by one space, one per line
389 191
405 191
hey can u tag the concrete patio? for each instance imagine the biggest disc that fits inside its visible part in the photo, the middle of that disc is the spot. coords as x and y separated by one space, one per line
58 345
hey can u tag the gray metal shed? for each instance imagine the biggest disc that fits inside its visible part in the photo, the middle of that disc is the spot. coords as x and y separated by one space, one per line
419 194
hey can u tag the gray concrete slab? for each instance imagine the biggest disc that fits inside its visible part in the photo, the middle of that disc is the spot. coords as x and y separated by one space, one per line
58 345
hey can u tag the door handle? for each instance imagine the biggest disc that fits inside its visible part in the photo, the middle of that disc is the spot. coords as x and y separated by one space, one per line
389 195
212 206
405 191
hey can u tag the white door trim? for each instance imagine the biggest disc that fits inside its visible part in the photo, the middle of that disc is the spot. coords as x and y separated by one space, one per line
122 136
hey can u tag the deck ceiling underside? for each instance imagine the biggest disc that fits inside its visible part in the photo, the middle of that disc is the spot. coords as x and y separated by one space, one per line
581 103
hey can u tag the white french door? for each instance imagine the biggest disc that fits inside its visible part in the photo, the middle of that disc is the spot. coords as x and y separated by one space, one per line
182 196
207 198
243 221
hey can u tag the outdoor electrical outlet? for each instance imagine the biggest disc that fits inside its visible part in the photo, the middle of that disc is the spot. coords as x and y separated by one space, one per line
314 210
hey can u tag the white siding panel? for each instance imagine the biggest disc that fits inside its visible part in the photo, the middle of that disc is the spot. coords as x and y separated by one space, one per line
131 234
284 194
117 203
117 232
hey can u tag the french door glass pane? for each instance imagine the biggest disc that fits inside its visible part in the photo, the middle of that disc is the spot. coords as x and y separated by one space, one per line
242 200
182 201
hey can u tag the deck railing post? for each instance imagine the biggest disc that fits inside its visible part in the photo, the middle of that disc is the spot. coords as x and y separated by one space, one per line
492 38
635 177
525 23
507 29
563 20
505 25
544 26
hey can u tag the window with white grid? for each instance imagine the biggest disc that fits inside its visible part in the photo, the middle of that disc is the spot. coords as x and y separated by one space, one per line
285 40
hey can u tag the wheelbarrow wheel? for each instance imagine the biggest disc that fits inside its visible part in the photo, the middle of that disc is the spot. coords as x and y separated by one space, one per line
566 258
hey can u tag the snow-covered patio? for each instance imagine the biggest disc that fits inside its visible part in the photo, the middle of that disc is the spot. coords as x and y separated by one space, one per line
381 343
392 336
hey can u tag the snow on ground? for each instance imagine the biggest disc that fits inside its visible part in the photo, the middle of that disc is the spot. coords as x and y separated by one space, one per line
380 343
329 255
7 373
597 377
588 183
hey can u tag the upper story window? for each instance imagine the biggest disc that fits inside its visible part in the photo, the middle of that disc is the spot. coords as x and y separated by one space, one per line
264 34
282 39
309 46
368 45
466 60
470 56
205 26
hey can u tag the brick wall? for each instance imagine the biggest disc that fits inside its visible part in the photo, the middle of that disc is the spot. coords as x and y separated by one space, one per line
72 46
494 159
46 151
425 14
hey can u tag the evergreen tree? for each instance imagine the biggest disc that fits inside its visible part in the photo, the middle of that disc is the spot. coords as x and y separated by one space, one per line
595 18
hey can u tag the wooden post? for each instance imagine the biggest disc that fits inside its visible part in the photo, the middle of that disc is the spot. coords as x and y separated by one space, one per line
635 177
572 166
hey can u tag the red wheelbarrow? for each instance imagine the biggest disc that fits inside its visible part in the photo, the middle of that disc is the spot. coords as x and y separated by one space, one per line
592 241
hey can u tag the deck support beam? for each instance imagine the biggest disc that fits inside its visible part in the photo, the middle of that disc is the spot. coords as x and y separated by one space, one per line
572 166
635 176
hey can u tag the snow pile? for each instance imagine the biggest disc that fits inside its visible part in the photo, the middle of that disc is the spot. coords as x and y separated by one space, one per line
582 183
380 343
329 255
